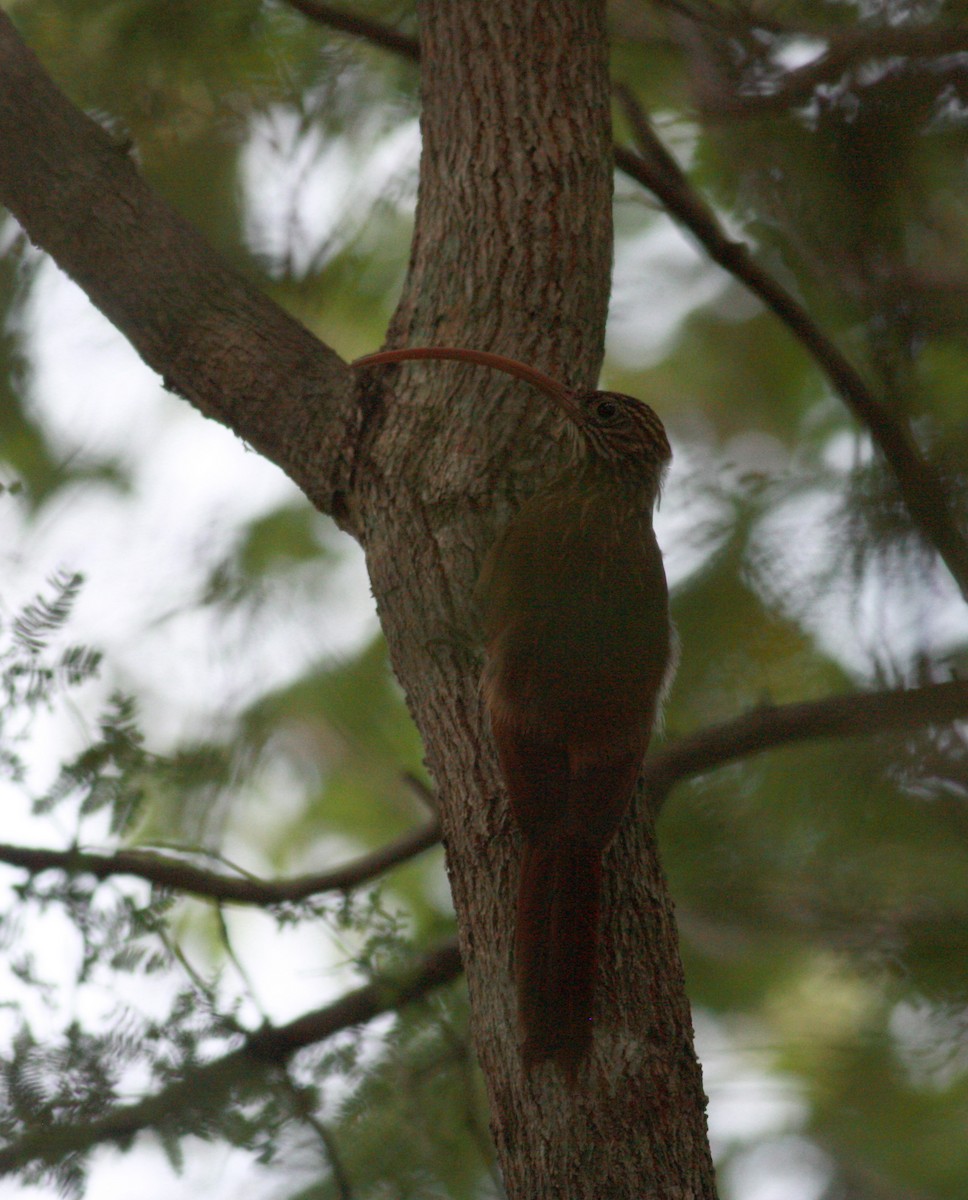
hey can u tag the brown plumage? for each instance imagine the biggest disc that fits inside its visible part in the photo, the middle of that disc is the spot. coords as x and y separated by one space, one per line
577 639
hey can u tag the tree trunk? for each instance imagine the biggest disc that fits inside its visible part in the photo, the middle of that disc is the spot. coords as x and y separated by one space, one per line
512 253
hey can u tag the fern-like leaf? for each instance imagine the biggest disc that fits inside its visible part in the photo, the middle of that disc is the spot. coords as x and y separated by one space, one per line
45 615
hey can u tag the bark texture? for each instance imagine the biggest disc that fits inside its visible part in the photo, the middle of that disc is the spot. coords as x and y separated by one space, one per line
212 336
512 253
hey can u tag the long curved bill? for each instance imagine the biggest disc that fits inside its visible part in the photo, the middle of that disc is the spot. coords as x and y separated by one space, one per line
483 358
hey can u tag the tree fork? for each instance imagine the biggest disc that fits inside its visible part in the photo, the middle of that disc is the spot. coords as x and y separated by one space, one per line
512 253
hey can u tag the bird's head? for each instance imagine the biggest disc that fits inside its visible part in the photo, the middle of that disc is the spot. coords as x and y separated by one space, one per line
612 430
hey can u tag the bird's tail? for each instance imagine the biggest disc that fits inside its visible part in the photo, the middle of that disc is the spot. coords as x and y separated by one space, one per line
556 948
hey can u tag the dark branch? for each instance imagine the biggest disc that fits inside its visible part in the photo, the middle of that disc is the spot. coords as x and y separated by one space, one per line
209 1087
846 50
167 871
918 482
212 336
856 715
763 729
371 31
920 485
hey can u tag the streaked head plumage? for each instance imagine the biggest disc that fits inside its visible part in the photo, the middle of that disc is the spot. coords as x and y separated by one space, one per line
616 430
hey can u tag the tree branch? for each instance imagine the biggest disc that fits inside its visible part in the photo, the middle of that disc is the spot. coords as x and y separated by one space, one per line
205 1087
919 484
846 49
376 32
212 336
763 729
167 871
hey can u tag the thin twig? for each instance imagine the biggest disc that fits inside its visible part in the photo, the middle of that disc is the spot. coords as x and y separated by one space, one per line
857 715
846 50
164 870
301 1108
375 32
422 790
918 482
207 1087
296 1097
764 729
854 715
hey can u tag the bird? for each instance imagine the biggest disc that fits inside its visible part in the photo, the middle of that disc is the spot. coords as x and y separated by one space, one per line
578 652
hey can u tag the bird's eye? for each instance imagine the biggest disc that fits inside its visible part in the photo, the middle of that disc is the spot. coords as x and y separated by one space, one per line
606 409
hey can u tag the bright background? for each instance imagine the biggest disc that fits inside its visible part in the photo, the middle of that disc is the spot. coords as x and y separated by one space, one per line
822 890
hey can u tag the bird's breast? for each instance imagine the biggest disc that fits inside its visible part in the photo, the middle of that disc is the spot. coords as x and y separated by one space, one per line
575 614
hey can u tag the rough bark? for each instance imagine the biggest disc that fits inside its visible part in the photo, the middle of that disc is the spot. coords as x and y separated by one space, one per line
512 253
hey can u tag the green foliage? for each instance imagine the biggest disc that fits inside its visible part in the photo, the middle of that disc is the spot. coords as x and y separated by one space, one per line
427 1089
30 676
821 889
59 1086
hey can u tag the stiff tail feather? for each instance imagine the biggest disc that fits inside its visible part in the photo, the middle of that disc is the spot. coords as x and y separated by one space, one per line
556 950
